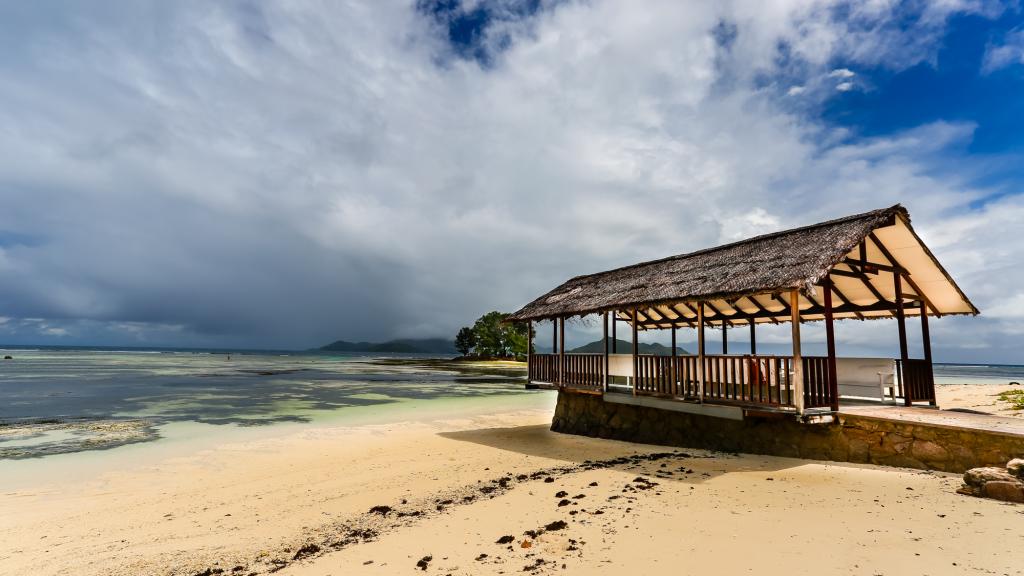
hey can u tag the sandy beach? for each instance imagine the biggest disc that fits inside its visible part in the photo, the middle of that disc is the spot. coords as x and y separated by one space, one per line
511 287
446 491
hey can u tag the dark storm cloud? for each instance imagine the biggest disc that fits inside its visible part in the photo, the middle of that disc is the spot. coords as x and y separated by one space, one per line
258 174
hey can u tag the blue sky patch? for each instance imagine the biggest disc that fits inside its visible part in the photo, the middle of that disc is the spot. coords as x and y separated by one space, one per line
468 26
954 89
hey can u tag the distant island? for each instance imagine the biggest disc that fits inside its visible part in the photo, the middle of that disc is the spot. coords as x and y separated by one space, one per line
625 347
443 346
405 346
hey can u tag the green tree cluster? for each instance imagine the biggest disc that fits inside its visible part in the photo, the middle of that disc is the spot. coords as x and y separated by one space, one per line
492 337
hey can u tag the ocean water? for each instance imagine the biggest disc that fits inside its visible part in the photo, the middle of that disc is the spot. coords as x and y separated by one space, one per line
978 373
58 402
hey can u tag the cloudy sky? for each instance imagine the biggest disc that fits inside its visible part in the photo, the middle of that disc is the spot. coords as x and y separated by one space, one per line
283 174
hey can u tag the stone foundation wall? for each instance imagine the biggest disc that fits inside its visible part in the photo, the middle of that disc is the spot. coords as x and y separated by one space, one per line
851 439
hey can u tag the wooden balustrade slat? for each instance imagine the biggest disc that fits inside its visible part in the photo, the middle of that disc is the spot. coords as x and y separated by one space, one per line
817 388
581 371
759 379
918 379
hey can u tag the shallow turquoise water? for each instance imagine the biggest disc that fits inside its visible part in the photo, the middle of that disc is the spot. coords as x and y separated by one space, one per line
189 395
248 390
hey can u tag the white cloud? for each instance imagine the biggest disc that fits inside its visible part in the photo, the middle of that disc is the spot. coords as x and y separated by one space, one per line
292 173
1007 53
747 224
844 77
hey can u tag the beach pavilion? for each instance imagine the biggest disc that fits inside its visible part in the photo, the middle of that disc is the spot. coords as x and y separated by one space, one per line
866 266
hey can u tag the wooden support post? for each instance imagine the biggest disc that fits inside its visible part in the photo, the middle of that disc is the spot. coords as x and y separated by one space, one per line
753 338
798 362
554 336
615 322
926 339
561 352
604 380
901 324
672 368
529 349
830 342
725 339
701 368
926 342
636 351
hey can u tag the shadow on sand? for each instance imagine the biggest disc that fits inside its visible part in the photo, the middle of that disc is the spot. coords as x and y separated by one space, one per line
690 465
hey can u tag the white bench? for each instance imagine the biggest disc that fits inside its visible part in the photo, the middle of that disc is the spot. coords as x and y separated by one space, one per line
620 365
866 377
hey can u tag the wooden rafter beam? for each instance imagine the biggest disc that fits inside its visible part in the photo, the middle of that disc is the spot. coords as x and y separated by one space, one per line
648 320
815 310
906 275
847 273
785 305
718 313
675 308
811 299
670 309
760 307
681 318
895 265
651 309
843 298
854 273
862 264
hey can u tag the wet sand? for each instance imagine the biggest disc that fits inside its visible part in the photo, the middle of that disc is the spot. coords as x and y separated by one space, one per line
443 492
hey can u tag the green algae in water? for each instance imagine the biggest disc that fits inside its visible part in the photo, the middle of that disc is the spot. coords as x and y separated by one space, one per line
240 391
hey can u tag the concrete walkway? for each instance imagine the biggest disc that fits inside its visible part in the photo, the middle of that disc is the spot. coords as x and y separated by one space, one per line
944 418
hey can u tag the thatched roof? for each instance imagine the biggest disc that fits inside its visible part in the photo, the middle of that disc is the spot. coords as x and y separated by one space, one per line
766 265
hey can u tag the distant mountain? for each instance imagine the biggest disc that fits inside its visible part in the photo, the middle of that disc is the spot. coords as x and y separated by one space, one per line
404 346
624 347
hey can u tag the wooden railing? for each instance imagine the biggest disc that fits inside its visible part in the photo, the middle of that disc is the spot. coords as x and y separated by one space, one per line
731 379
544 368
584 371
654 376
674 376
918 381
748 379
724 377
688 376
819 390
771 379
